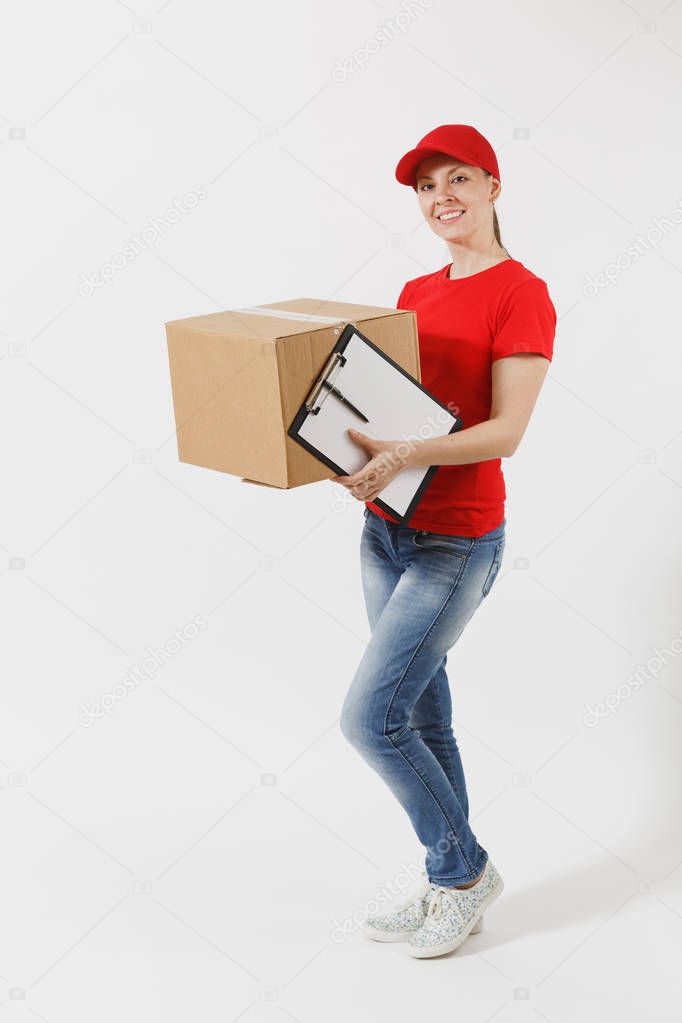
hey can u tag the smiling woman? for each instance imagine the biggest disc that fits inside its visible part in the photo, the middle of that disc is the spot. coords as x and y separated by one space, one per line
475 193
486 329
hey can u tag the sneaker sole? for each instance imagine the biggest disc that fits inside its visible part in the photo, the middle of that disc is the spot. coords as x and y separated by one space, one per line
427 952
374 934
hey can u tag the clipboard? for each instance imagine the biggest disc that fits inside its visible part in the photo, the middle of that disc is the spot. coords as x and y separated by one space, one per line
358 381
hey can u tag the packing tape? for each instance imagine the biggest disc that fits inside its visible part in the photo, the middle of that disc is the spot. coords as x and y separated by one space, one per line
260 310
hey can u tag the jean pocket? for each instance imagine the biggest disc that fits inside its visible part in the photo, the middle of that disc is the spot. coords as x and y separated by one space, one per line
494 568
456 546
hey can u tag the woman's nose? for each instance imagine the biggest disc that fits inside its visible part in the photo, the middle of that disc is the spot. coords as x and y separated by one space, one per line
445 194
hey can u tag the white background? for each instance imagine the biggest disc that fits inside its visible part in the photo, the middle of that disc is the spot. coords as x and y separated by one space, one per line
151 871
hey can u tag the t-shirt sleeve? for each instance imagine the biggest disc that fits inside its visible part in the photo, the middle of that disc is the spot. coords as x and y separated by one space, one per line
526 322
402 298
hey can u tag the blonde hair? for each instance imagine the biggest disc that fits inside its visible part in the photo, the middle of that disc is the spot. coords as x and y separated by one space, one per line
496 225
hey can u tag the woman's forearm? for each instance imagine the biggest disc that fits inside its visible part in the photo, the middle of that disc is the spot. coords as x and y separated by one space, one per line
490 439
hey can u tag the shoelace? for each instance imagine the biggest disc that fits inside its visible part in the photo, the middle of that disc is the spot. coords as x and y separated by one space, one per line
443 897
424 888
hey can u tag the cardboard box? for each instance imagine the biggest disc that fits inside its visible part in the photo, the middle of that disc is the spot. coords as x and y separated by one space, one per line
239 377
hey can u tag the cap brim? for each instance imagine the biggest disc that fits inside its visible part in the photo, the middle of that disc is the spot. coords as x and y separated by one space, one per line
406 170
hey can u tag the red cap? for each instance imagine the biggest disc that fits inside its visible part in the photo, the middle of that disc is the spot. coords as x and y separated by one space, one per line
460 141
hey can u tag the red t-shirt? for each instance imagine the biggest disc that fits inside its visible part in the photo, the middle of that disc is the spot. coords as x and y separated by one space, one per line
463 326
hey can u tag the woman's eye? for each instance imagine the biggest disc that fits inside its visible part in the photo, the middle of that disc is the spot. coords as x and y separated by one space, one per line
453 179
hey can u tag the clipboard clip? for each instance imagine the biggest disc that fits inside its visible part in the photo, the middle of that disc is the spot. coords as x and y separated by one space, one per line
334 364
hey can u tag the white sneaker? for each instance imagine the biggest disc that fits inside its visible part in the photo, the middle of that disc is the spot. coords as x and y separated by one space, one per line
452 915
405 919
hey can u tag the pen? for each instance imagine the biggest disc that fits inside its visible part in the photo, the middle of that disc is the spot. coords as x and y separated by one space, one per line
345 401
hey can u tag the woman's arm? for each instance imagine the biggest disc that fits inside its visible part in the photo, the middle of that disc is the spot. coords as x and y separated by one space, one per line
516 383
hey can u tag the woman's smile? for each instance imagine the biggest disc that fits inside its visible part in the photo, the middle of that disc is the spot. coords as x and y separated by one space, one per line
448 216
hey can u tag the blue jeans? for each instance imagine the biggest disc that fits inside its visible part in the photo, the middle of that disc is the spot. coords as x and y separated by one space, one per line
420 589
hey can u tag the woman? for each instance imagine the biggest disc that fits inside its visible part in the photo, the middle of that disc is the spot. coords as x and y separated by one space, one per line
486 330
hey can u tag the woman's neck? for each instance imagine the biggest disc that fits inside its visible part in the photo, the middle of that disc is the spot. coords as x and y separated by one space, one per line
468 261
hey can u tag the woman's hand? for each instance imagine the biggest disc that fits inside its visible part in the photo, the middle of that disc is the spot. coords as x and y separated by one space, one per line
387 459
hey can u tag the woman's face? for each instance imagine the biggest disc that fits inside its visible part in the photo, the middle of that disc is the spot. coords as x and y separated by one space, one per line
446 185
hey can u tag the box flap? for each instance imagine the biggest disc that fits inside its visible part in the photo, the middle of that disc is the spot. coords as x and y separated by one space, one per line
282 319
